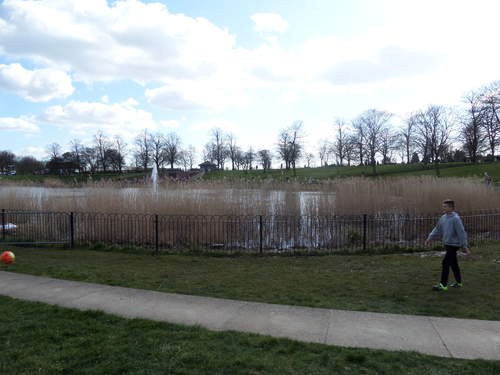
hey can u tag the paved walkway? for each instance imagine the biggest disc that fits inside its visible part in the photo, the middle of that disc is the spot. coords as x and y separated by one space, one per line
445 337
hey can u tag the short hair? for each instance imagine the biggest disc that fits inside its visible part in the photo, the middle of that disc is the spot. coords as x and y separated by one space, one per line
449 202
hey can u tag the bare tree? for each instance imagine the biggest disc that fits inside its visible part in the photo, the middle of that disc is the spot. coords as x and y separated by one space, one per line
351 148
360 139
472 133
407 135
283 147
219 147
102 145
264 157
339 144
491 125
249 157
121 150
309 156
209 152
189 156
76 147
239 159
90 158
54 150
324 152
374 123
172 149
388 143
290 144
143 152
434 126
232 149
157 145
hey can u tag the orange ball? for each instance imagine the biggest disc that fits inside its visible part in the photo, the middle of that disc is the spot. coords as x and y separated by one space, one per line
7 257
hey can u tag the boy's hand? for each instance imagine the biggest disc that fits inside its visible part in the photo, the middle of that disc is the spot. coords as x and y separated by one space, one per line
427 242
467 251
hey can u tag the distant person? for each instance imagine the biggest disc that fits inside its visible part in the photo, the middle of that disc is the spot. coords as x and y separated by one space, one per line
487 179
451 228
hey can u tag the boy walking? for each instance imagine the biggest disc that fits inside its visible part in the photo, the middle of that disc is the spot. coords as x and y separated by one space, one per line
452 230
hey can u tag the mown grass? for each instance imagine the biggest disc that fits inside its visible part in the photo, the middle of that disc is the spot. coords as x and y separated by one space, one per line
463 170
467 170
398 284
43 339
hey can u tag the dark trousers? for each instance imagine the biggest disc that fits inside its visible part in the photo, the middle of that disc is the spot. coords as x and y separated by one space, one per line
450 260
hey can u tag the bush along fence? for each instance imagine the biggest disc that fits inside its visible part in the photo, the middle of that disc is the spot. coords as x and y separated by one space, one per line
235 233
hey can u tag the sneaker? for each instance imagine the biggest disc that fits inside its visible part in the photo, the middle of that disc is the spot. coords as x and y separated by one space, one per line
440 287
456 285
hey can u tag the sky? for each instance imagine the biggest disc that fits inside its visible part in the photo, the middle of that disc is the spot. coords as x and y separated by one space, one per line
70 68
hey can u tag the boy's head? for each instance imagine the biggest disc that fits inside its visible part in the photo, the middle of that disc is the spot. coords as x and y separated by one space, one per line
448 206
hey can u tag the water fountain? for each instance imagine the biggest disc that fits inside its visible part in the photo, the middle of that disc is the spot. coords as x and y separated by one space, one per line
154 178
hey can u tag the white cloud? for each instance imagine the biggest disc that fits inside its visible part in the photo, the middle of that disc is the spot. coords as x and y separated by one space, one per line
196 95
22 124
39 85
80 118
126 40
269 22
196 65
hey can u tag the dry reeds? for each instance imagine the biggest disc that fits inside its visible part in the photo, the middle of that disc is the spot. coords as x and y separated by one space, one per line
411 195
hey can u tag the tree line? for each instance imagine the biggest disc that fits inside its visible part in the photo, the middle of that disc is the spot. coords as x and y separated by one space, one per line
426 136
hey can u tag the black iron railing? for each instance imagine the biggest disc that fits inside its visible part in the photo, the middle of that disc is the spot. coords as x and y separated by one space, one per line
256 233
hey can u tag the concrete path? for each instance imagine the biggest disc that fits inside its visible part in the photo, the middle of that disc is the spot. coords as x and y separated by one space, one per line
445 337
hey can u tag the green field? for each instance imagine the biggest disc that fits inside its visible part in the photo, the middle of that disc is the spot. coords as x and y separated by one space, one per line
50 340
395 283
446 170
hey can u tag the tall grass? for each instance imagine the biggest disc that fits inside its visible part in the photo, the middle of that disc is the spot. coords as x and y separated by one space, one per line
412 195
343 196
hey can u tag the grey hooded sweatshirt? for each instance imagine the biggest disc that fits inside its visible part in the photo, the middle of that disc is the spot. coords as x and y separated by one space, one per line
451 228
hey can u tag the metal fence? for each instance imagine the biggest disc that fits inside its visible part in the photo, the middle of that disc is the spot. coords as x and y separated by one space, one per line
253 233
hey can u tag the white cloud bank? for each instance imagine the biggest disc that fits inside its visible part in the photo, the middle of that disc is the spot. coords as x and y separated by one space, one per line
84 118
22 124
196 65
39 85
126 40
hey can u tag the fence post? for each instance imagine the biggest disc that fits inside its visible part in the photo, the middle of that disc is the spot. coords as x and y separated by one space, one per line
72 230
156 234
364 231
260 234
3 223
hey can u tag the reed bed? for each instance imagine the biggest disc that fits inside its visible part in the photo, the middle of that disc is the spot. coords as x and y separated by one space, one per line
174 199
353 196
412 195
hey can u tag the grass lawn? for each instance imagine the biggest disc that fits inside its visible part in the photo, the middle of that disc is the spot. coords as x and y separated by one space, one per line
383 283
476 170
397 170
43 339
